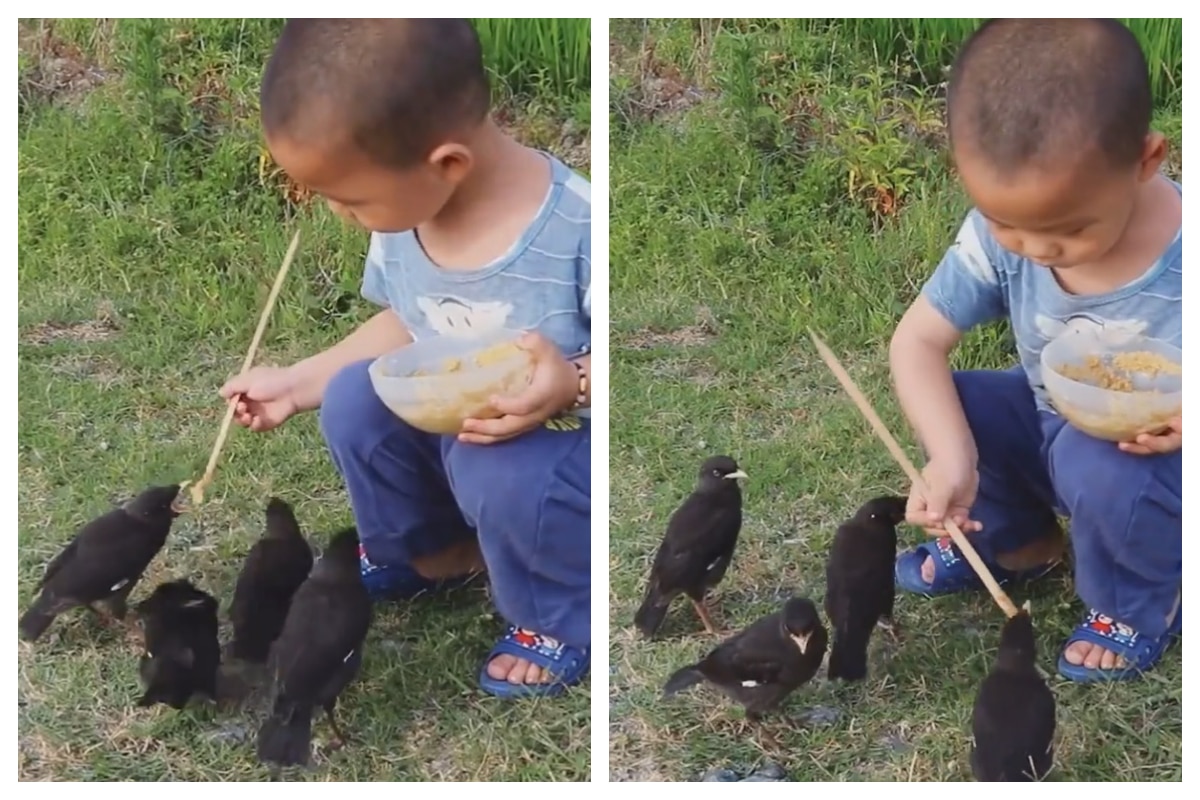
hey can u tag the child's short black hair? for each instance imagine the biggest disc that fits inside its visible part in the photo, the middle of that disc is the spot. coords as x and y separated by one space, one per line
1031 92
392 88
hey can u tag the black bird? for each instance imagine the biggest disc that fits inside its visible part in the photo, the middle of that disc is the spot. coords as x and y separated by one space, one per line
698 547
318 653
104 561
1014 717
181 654
766 662
273 571
860 584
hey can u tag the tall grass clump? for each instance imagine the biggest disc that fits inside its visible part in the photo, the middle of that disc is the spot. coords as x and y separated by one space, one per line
538 55
527 56
930 44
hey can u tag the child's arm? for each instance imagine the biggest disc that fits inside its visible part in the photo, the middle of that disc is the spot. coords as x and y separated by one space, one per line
965 290
380 334
920 361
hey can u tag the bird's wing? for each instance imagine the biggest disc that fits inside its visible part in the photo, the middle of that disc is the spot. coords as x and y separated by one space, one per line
320 634
698 535
759 666
752 655
242 605
56 564
104 553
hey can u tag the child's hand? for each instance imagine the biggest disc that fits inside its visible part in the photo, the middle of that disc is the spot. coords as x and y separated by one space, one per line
1148 444
553 389
267 397
951 493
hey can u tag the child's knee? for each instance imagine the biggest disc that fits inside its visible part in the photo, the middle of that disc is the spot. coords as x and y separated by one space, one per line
1123 507
537 503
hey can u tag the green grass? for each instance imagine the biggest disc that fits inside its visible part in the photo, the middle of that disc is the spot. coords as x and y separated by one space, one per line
147 243
539 54
930 45
756 172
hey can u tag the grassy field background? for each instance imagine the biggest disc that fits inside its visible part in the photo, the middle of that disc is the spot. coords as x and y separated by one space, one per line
150 230
768 176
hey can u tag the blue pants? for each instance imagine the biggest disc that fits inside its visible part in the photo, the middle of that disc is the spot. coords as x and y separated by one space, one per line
1125 510
529 500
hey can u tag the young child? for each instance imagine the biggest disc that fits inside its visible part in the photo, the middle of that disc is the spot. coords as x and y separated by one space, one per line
1073 227
388 120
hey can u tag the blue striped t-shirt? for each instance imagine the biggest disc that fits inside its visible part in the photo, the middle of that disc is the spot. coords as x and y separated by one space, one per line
542 283
978 281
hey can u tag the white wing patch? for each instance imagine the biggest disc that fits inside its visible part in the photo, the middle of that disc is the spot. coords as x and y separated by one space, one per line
121 584
348 656
970 251
749 684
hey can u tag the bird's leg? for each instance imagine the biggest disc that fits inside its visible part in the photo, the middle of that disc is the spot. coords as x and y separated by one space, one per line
889 624
116 603
105 618
339 738
702 611
765 737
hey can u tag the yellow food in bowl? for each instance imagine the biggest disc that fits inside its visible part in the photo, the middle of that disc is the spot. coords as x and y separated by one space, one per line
484 358
1113 374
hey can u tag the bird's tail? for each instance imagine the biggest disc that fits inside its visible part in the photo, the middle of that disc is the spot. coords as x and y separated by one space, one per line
37 619
848 656
651 613
682 679
285 736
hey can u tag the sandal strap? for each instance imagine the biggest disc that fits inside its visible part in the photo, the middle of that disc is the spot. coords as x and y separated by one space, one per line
1103 630
950 569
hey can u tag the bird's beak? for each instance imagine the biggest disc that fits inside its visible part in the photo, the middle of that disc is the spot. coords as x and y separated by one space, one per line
802 641
733 476
177 504
1025 607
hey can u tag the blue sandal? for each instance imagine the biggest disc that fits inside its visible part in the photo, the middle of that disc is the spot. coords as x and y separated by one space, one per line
567 664
951 571
400 582
1140 653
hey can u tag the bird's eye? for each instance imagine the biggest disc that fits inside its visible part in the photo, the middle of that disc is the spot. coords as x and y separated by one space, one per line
717 473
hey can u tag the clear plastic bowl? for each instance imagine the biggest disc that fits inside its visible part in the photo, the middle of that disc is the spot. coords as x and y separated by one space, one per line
1152 392
434 384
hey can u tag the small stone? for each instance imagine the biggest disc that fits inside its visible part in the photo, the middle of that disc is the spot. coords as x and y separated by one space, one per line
720 775
821 715
771 771
233 733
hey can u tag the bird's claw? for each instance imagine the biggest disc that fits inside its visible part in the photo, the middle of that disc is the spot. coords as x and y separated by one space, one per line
891 627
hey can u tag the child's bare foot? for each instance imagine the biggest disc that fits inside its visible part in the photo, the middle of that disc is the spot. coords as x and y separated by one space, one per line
1103 649
936 567
516 670
1092 656
526 663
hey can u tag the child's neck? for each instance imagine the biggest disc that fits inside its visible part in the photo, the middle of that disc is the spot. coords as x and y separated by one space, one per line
1153 225
493 205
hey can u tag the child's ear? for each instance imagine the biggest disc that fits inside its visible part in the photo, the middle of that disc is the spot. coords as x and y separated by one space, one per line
451 161
1154 152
